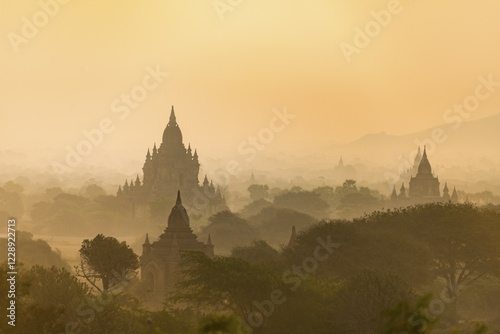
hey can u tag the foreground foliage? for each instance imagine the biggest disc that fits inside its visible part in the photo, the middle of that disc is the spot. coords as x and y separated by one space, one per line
377 281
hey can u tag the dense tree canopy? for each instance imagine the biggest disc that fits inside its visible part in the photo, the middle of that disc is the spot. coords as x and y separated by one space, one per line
224 283
107 260
255 207
11 202
229 230
375 280
33 252
276 224
455 242
362 247
258 191
68 214
260 251
303 201
361 302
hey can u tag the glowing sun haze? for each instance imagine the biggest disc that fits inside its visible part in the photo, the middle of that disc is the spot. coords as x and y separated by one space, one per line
226 76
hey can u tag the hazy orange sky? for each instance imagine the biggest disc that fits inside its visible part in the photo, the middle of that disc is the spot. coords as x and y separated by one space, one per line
226 76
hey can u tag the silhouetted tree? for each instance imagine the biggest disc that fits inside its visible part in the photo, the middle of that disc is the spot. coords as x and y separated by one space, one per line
258 191
349 184
357 204
463 241
255 207
326 193
92 191
51 300
308 309
53 216
34 252
107 260
12 203
303 201
51 193
56 286
228 230
408 317
364 246
258 252
361 301
224 283
276 223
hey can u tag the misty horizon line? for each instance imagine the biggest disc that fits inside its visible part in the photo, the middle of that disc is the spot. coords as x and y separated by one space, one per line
302 150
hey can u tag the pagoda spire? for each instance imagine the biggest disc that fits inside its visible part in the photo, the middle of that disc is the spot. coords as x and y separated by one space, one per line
146 246
454 196
252 179
209 250
402 190
425 165
179 200
148 155
446 193
419 153
394 195
172 120
418 158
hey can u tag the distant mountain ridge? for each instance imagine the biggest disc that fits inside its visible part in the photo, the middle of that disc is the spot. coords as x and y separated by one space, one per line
477 138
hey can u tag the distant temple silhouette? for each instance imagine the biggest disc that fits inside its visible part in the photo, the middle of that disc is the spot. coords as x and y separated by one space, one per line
344 171
160 259
408 174
423 185
169 168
